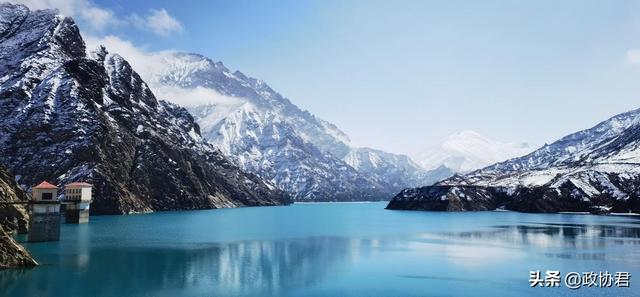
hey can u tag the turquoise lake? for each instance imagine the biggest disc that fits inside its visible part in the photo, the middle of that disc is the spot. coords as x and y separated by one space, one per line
328 249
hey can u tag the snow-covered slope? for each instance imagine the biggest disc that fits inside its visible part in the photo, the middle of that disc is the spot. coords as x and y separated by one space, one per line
468 150
68 116
597 169
266 134
398 170
259 141
185 72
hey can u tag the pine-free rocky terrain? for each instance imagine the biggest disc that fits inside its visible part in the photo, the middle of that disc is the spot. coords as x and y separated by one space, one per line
595 170
14 218
66 115
265 133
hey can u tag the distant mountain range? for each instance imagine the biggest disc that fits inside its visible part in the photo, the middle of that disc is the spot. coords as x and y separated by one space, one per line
596 170
264 133
234 141
66 116
468 150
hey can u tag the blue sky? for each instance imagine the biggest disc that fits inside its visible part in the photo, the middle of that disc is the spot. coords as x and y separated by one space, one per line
402 75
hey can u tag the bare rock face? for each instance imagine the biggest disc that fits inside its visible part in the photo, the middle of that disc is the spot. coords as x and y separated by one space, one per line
13 218
448 198
12 254
68 116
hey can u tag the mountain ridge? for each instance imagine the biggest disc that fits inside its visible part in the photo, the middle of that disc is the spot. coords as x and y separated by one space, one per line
261 130
592 170
67 116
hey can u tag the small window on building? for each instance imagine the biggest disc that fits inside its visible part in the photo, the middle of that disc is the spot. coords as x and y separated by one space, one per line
47 196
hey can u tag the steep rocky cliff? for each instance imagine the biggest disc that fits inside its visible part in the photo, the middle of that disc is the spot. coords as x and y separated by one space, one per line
68 116
13 218
12 254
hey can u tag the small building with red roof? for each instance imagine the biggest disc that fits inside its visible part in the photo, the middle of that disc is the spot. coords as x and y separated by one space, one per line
44 219
44 192
77 191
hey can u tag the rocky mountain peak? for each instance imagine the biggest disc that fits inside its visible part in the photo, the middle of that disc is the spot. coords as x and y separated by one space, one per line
265 133
66 116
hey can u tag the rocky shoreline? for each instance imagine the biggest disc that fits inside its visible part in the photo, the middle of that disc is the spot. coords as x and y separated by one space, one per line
13 219
543 199
12 254
595 170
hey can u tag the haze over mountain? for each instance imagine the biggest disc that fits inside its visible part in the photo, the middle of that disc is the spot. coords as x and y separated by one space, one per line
468 150
596 169
265 133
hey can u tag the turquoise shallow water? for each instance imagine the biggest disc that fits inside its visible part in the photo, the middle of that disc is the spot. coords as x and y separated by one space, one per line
350 249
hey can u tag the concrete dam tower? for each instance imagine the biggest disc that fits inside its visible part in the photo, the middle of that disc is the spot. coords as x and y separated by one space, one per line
45 209
77 199
45 213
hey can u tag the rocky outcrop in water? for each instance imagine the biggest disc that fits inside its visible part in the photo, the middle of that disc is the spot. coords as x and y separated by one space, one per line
69 116
447 198
13 218
12 254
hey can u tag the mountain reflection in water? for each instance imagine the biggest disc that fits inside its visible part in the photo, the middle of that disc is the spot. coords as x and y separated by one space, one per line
581 241
250 267
324 250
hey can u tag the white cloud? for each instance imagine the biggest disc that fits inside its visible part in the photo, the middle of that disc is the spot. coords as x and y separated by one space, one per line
633 56
141 60
158 21
97 17
197 96
150 64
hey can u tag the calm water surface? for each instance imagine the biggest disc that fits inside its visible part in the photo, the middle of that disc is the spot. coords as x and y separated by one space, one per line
350 249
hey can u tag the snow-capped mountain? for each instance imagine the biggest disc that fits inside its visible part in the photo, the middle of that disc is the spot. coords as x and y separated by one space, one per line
264 133
597 169
68 116
398 170
185 72
468 150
